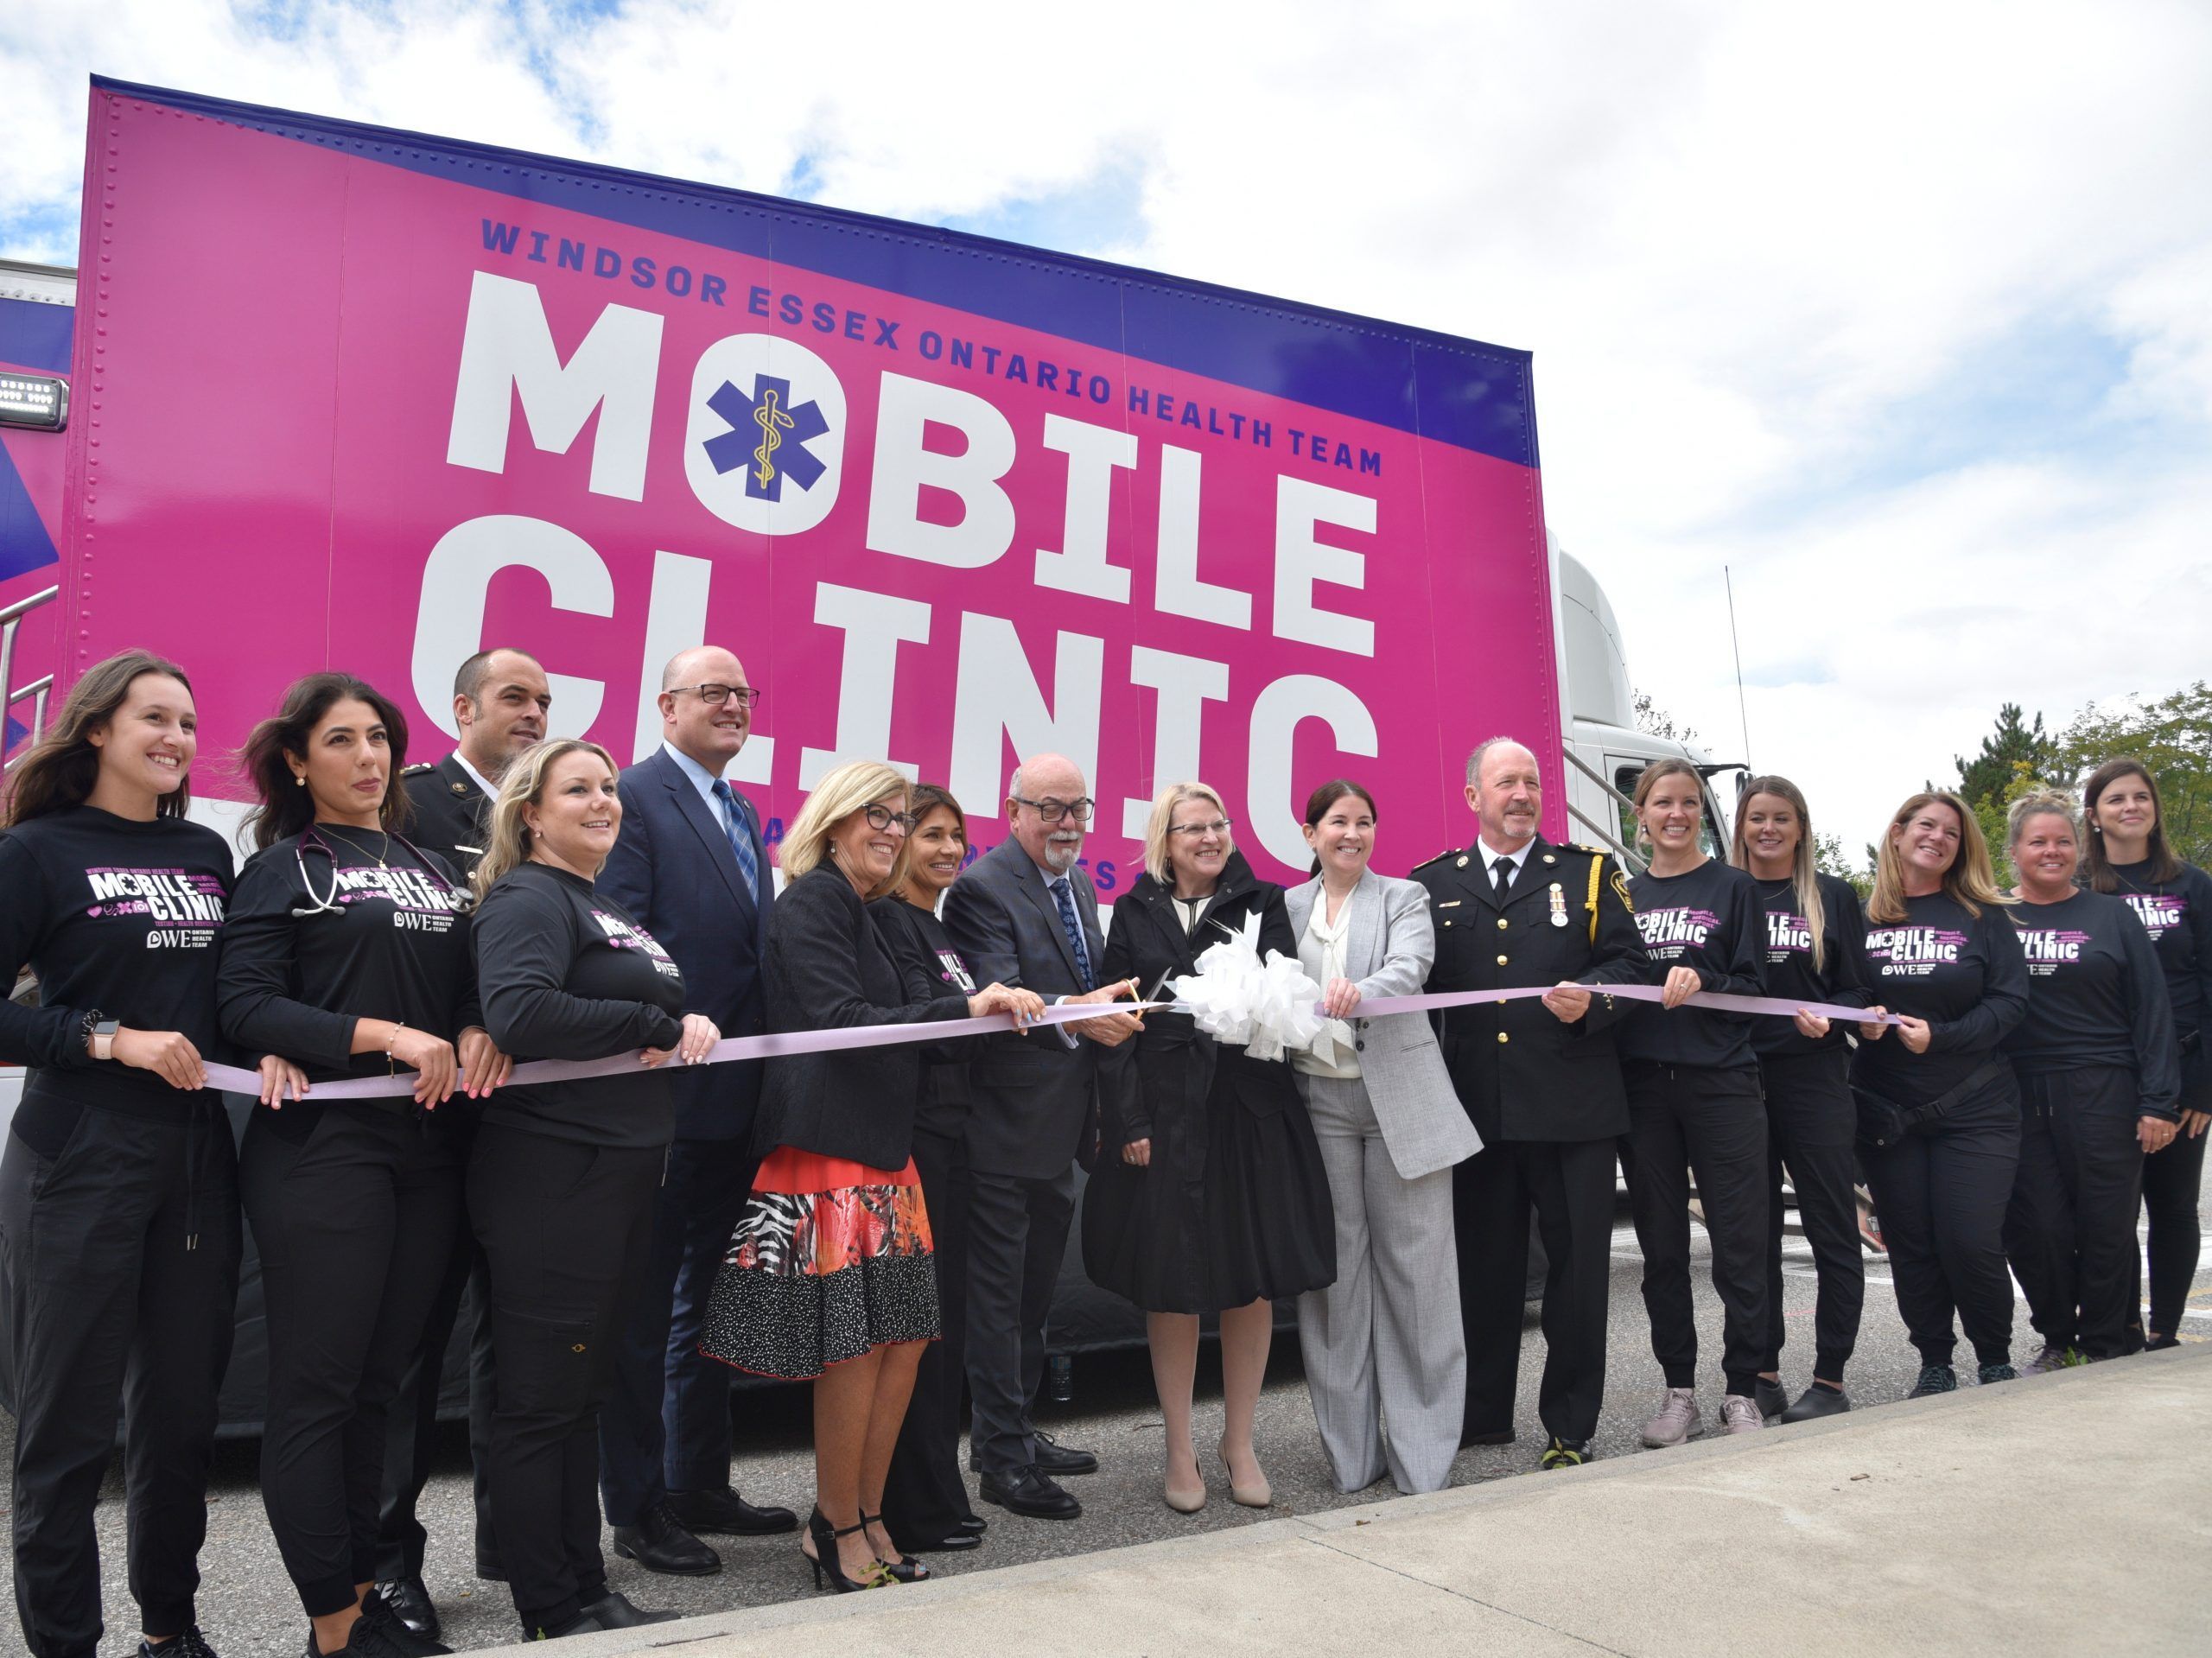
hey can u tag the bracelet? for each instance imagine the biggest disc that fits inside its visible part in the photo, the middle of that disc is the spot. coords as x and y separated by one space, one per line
390 1066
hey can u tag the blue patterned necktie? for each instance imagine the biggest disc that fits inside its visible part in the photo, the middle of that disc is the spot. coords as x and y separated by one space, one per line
1064 896
739 831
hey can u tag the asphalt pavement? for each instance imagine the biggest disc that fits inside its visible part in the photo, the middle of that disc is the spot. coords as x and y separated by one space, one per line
247 1606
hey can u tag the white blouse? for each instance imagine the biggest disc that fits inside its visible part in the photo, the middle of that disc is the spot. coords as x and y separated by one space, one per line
1321 953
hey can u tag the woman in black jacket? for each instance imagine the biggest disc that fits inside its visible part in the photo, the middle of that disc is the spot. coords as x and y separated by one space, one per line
1215 1198
347 952
562 1174
924 1497
829 1277
118 1192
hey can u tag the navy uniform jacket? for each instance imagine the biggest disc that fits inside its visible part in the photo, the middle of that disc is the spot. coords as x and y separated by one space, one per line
447 812
1520 1073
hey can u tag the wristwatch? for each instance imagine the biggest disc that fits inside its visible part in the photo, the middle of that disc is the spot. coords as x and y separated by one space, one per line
103 1030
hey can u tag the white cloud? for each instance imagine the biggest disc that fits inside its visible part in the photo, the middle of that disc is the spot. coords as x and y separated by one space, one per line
1741 238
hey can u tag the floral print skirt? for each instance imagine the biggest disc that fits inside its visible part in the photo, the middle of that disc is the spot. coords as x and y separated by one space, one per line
830 1259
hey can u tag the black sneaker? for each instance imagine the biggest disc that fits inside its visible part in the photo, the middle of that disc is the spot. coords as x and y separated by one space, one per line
369 1638
1815 1403
1773 1400
1990 1373
1563 1454
1935 1379
375 1608
190 1644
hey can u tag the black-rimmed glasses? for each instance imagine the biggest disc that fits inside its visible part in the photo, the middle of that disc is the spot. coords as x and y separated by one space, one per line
1053 810
714 696
883 818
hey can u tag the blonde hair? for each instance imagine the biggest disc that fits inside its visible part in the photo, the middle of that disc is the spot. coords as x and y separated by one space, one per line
1801 874
837 796
1163 814
1970 882
2043 803
506 839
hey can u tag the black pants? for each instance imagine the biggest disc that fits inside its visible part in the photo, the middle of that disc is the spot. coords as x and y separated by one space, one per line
1017 1238
2069 1230
566 1228
924 1496
1570 1185
110 1307
354 1210
666 1425
1708 1120
1942 1196
411 1442
2173 1183
1811 1126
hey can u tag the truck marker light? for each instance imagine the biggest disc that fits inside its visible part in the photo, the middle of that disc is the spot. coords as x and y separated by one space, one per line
38 401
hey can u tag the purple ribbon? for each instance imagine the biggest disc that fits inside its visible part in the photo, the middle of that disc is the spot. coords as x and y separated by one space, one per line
1720 1000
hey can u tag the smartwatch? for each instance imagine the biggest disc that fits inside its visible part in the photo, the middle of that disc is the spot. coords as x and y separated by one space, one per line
104 1037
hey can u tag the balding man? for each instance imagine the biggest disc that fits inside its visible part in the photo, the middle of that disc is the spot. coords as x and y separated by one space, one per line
1025 914
1543 1085
690 864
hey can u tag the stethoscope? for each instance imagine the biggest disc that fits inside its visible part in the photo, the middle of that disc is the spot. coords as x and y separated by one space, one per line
328 905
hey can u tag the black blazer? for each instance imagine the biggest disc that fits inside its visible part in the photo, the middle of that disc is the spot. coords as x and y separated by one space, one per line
827 969
672 869
447 812
932 965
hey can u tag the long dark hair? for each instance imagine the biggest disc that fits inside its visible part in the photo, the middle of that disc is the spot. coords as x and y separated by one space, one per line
2165 866
1318 805
285 808
62 765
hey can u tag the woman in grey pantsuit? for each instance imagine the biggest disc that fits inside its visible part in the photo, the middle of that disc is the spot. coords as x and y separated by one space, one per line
1382 1344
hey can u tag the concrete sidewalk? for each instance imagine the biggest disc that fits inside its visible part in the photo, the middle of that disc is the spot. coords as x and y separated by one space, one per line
2070 1512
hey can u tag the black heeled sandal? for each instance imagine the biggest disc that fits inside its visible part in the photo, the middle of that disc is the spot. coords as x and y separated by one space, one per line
824 1559
905 1570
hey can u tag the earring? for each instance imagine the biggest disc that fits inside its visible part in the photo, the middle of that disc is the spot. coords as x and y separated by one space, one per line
299 779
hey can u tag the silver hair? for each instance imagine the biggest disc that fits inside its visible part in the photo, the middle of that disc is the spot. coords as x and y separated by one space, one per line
1482 749
1013 784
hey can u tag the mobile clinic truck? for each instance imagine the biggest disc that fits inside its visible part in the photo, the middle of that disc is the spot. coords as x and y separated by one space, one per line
348 397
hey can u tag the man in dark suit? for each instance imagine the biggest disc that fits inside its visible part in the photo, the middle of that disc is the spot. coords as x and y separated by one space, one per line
690 865
1543 1083
500 702
1025 914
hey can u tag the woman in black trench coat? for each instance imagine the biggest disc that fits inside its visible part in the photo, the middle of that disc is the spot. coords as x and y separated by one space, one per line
1209 1196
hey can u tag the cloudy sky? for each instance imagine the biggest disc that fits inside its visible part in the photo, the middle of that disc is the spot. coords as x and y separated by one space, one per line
1902 313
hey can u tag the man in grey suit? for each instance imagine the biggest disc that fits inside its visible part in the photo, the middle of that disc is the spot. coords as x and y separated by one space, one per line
1025 914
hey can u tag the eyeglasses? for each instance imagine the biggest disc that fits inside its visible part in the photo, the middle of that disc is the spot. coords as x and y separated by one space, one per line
883 818
714 696
1219 826
1053 810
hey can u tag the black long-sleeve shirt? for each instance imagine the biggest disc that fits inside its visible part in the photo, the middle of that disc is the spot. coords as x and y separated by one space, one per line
1707 919
118 916
563 973
1963 974
1791 975
2177 913
931 966
386 941
2096 997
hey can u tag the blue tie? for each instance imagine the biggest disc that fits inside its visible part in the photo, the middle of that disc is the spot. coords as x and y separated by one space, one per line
740 837
1063 896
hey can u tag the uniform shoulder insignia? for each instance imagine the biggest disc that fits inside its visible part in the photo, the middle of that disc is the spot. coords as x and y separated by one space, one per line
419 768
1620 890
1452 852
1594 851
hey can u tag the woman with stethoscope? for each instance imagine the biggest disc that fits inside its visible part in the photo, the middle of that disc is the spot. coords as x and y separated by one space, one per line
348 953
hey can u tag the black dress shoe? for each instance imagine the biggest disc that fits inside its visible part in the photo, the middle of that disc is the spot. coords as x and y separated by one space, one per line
726 1512
614 1611
583 1623
974 1523
659 1544
1817 1403
407 1600
951 1542
1053 1458
1773 1400
1026 1491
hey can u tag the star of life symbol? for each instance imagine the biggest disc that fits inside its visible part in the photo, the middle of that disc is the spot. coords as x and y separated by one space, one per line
768 435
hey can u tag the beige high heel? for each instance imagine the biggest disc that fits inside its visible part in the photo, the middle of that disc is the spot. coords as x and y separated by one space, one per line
1261 1496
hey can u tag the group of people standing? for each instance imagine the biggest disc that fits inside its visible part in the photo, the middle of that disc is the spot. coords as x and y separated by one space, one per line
887 1221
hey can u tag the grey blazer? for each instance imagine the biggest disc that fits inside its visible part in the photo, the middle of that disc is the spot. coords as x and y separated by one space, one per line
1387 953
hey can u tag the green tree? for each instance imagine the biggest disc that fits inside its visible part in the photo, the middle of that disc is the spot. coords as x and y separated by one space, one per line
2172 736
2013 744
1829 858
1654 721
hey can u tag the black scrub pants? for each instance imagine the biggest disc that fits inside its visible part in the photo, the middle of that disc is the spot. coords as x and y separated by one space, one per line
1942 1195
354 1209
2069 1231
925 1498
666 1425
1569 1184
1811 1127
1709 1121
2173 1183
566 1228
1017 1238
120 1258
410 1445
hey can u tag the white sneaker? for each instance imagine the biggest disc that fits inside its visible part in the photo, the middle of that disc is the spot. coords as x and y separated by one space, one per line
1677 1419
1739 1414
